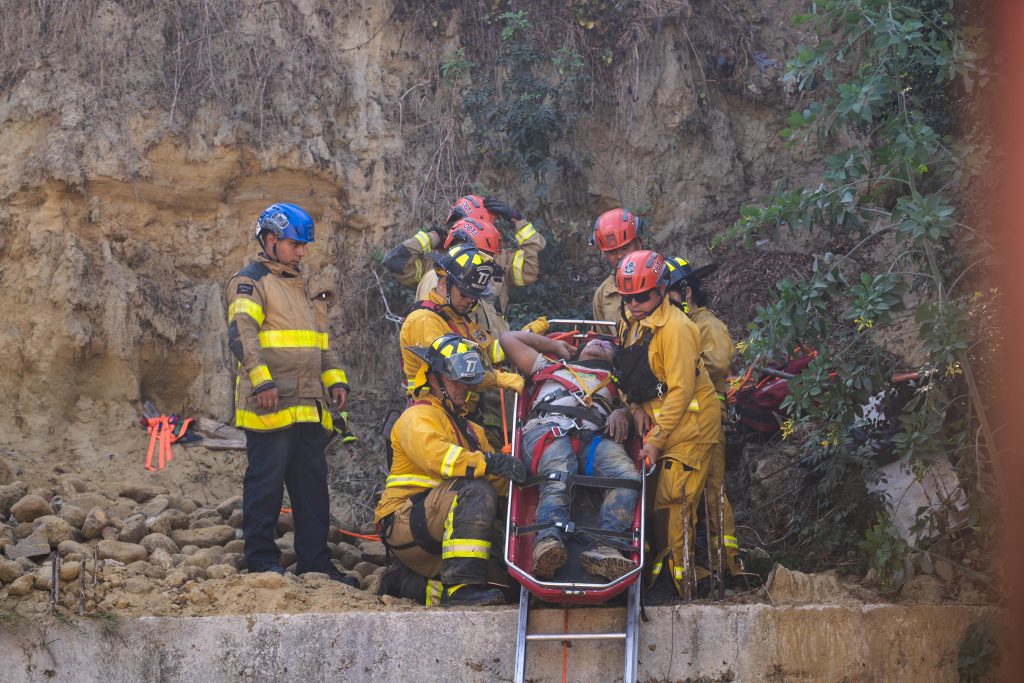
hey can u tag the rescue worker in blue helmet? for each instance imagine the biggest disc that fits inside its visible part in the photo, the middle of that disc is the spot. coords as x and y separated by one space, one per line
289 379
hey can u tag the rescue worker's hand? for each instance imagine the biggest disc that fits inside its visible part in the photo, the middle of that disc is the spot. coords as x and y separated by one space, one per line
339 398
538 326
455 216
649 453
641 421
268 399
497 206
501 465
617 425
563 349
510 380
437 235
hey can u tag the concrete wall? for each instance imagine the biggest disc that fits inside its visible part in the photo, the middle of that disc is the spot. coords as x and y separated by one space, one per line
683 643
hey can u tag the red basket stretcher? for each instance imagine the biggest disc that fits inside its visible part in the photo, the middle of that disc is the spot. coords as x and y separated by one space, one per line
572 585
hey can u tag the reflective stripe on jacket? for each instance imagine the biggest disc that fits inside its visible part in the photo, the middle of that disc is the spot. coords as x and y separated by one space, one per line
429 448
279 337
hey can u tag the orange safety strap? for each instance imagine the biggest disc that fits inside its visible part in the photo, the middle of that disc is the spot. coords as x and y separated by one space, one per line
159 429
365 537
507 448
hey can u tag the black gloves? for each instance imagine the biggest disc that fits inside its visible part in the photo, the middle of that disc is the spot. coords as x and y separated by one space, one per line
501 208
440 231
455 216
501 465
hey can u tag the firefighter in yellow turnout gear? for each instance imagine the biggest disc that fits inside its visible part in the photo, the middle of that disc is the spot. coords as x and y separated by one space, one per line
439 504
717 350
289 377
674 404
465 277
471 221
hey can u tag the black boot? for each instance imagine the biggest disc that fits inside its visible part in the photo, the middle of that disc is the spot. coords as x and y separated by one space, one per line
471 595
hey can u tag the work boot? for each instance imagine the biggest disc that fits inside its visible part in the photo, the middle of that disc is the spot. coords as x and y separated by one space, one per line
341 577
606 561
548 557
471 595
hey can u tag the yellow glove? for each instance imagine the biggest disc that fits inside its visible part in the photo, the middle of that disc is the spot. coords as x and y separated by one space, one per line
538 326
510 380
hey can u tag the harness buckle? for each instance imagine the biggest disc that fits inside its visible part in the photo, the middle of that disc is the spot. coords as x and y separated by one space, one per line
581 396
567 527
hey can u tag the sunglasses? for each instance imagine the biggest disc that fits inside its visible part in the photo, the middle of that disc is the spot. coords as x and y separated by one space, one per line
640 298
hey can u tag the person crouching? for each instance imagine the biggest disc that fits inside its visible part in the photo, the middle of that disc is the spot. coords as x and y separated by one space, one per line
439 504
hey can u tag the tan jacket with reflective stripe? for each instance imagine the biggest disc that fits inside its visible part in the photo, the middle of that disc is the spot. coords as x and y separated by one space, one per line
521 266
606 301
279 336
716 346
428 449
689 412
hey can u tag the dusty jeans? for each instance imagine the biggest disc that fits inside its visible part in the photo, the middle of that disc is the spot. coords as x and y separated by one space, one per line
609 460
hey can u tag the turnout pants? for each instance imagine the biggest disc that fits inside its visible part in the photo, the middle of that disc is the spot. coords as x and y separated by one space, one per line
293 457
721 519
682 474
446 533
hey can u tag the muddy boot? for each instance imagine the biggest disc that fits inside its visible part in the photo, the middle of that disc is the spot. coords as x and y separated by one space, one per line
401 582
548 557
471 595
606 561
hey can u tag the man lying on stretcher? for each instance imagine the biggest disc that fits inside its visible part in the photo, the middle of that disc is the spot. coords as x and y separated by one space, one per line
577 425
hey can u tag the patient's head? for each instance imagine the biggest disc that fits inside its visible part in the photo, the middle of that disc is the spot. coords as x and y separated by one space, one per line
598 349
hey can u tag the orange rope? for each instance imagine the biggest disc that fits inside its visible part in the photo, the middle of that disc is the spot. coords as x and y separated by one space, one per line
507 448
746 377
365 537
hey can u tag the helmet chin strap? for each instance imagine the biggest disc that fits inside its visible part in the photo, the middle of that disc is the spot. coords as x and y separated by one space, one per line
271 255
446 400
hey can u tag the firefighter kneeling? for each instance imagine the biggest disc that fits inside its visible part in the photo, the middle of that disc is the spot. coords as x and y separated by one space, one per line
438 509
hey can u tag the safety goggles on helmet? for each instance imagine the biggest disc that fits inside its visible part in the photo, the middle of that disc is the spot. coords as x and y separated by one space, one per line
615 228
453 357
285 221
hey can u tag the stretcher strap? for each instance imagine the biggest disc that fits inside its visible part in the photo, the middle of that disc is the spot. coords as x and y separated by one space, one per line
582 480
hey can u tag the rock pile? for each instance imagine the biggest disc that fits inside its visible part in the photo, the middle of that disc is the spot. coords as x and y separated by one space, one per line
110 550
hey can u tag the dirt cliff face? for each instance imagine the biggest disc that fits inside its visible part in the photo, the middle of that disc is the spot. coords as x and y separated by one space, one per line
139 141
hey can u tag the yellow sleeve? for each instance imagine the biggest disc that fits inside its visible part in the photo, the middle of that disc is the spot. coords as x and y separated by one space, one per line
245 318
430 444
716 347
525 266
408 261
678 357
420 328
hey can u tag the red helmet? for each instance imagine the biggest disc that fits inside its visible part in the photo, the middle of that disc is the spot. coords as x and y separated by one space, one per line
477 232
640 271
614 228
471 206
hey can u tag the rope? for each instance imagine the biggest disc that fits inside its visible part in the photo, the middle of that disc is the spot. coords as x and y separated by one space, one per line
507 448
365 537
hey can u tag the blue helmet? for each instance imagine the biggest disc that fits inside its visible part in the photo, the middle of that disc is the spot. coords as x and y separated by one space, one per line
285 221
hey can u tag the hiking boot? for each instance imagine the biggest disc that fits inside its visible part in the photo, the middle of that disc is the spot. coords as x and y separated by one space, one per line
471 595
548 557
607 562
276 568
341 577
